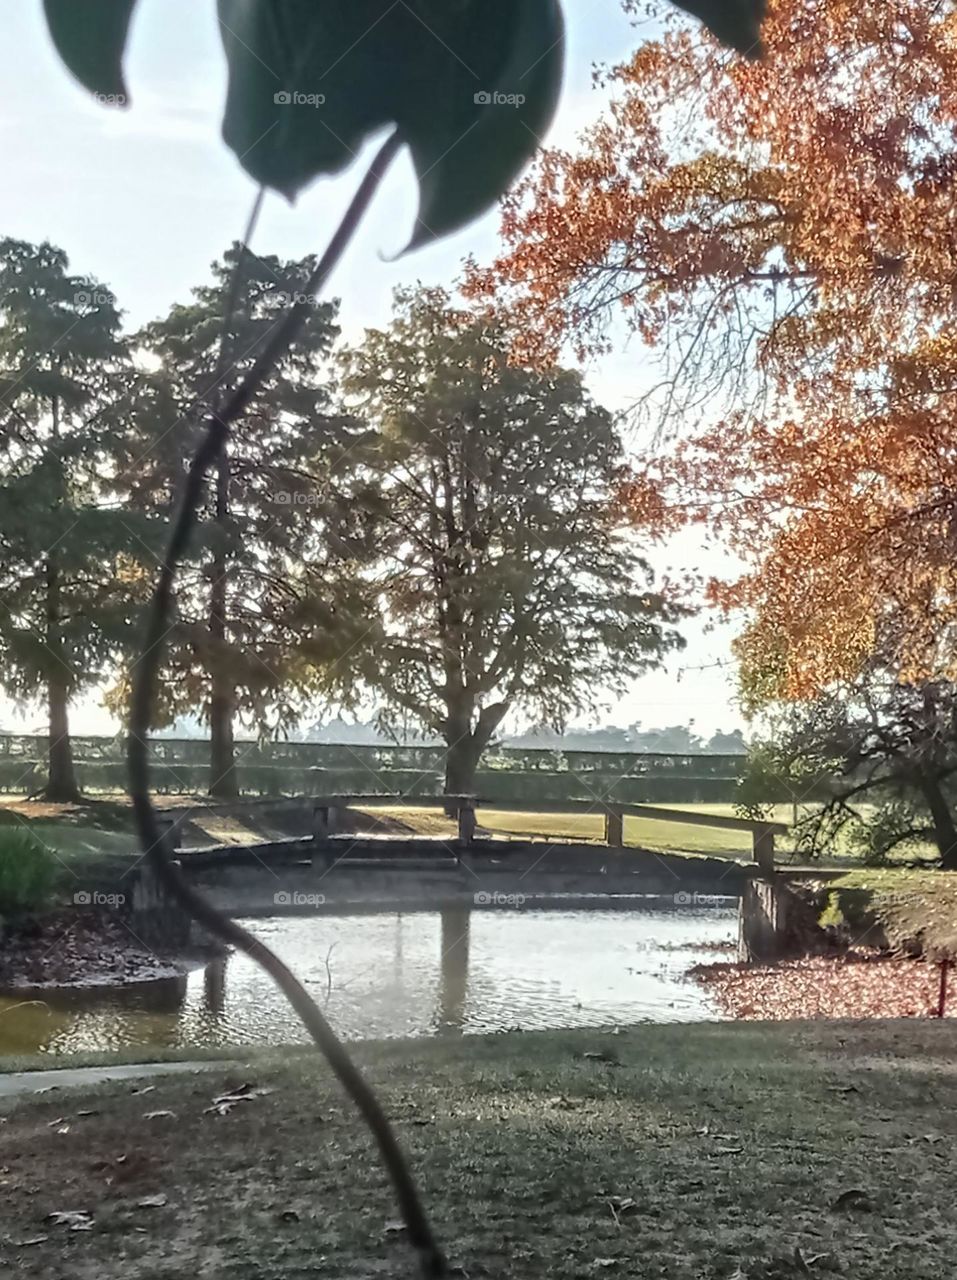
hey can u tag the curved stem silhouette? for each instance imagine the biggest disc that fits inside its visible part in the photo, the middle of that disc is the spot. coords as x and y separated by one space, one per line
145 676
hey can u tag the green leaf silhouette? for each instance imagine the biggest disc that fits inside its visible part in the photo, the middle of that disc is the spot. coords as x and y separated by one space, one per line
90 37
471 86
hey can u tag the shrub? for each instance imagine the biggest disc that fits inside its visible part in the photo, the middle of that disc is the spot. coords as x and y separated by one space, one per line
27 872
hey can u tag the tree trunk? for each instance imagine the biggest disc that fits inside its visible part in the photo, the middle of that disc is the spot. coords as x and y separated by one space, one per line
61 777
61 774
465 746
223 778
461 763
945 832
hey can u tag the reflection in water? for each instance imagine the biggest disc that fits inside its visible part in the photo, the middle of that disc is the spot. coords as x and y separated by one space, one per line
393 975
214 985
454 970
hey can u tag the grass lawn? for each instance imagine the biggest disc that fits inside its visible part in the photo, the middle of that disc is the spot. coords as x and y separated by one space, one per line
649 833
762 1152
916 908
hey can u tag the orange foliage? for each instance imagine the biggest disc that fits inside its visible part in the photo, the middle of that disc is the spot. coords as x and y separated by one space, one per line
785 232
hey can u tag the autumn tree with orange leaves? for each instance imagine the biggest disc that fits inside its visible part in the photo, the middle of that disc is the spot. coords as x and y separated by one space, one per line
783 235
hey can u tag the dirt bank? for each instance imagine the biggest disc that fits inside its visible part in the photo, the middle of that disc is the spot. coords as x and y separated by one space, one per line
77 947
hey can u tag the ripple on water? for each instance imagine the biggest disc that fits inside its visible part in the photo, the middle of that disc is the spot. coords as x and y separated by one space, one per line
412 974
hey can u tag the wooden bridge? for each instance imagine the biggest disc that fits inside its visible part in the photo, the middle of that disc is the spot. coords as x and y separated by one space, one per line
405 871
327 810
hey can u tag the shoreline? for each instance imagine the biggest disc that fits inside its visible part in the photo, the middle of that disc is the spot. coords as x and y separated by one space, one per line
862 984
70 950
94 951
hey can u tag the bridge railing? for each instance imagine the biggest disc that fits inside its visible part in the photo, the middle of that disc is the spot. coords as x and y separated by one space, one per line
326 811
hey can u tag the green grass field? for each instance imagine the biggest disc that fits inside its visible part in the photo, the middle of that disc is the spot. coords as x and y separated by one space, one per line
662 834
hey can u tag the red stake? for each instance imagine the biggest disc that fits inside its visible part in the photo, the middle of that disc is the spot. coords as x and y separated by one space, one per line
942 996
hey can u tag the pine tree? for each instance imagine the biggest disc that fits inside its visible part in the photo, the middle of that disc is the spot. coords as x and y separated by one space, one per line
69 559
255 619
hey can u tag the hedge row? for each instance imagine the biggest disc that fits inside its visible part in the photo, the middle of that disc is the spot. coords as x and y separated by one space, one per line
496 785
23 749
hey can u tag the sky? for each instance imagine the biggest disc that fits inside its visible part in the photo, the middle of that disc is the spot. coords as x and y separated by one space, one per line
145 199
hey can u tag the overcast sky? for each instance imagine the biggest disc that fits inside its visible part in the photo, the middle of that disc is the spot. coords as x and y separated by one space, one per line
145 199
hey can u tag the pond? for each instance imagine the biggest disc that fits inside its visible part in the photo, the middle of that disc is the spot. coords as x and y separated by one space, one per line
426 973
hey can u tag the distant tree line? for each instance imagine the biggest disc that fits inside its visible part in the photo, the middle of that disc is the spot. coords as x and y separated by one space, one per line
674 740
678 739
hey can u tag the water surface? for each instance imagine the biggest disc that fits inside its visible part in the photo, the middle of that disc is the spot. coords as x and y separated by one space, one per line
427 973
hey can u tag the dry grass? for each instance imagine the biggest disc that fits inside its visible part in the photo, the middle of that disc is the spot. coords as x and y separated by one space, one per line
696 1153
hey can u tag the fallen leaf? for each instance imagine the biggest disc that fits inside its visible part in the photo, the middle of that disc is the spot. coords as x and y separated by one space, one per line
222 1105
75 1219
157 1115
243 1092
240 1089
808 1260
853 1198
221 1108
152 1202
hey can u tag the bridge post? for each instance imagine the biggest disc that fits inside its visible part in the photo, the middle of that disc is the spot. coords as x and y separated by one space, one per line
169 835
614 827
154 914
466 821
321 824
762 841
763 921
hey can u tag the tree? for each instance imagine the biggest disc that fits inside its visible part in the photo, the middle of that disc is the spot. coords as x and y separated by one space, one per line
675 739
255 611
878 759
70 560
505 577
793 256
